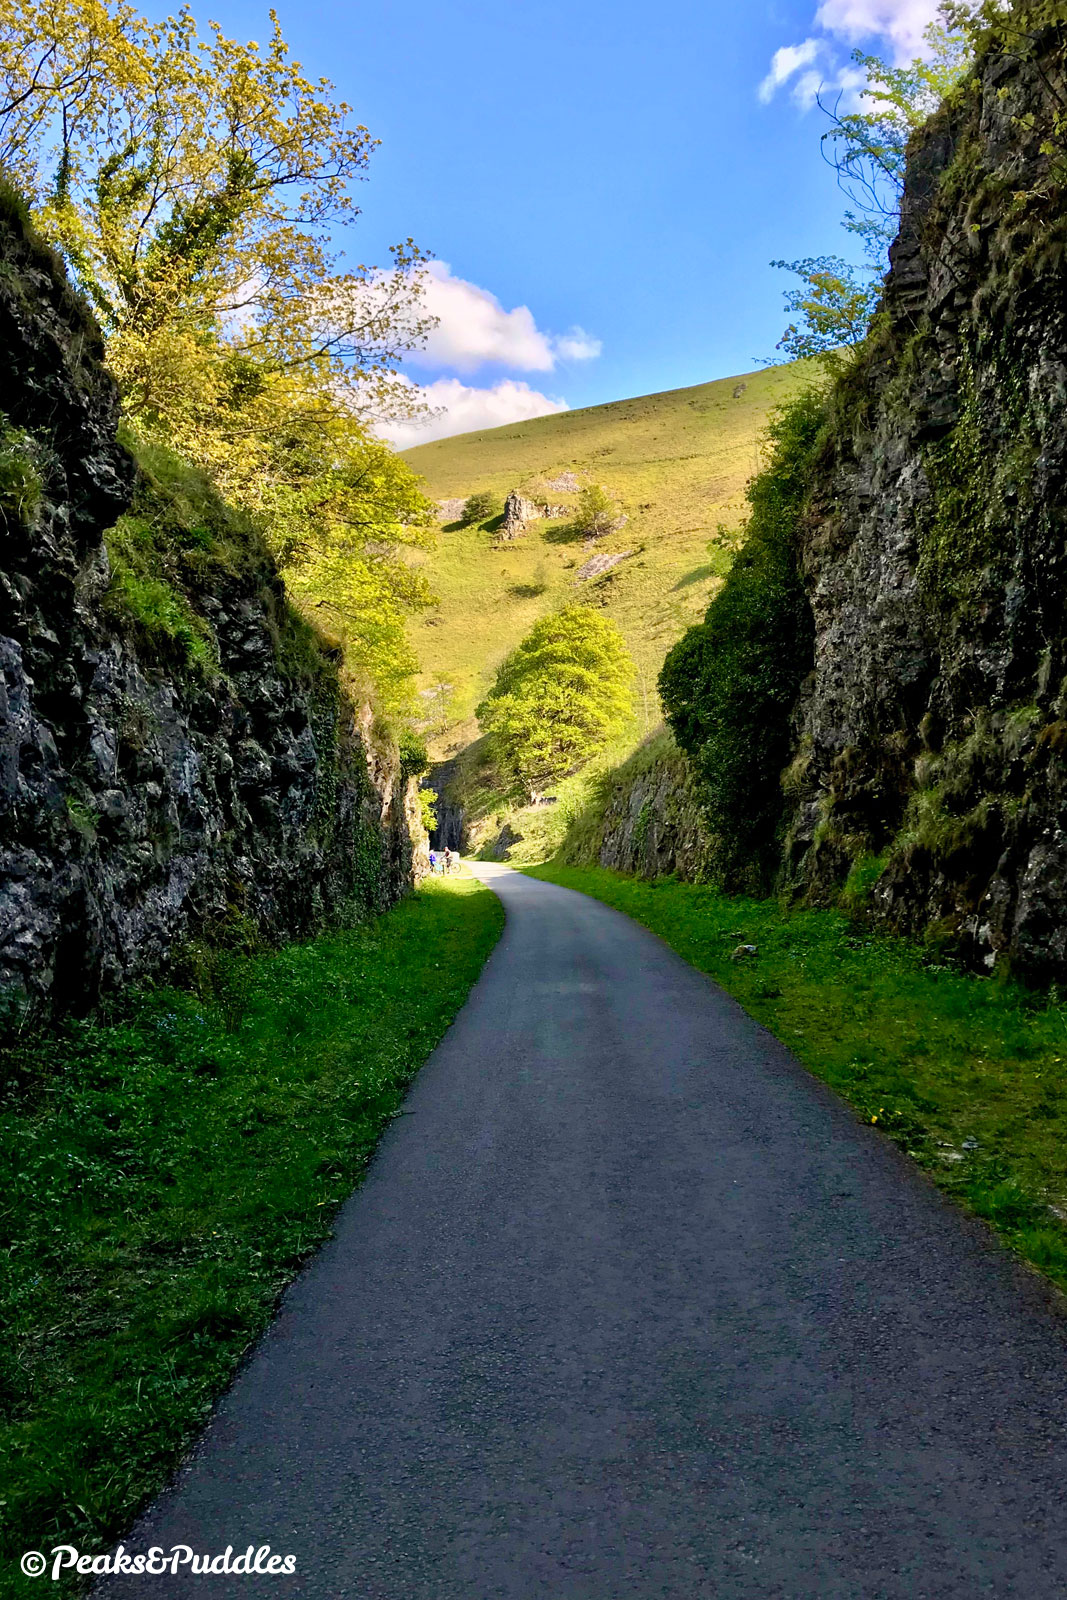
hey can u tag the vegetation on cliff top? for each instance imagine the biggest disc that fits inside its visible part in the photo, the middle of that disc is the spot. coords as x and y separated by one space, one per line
191 186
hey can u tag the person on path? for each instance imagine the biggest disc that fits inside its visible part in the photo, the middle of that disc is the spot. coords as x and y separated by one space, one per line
433 862
448 858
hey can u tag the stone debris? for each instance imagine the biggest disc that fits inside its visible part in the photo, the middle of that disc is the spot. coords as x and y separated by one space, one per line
596 566
450 510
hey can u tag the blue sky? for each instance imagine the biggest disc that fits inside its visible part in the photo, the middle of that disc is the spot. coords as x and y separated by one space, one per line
611 168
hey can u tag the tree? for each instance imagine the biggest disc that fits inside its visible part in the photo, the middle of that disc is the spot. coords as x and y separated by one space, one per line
834 308
192 186
558 700
867 149
597 513
480 507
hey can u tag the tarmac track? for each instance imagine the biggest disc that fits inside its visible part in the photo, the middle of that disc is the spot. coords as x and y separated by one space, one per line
630 1307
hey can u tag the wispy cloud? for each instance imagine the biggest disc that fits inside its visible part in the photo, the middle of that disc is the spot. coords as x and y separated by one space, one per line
785 63
901 23
474 330
462 408
893 27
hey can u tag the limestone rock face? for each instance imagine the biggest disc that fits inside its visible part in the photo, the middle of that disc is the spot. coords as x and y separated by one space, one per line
140 804
652 821
931 734
517 513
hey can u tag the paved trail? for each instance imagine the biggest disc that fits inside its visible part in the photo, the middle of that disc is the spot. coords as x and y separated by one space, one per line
628 1308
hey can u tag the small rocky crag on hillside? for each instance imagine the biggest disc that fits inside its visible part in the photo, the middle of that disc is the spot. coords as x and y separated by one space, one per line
932 732
178 754
518 512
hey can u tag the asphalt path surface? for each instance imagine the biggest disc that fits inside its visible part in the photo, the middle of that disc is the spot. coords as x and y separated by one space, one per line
628 1307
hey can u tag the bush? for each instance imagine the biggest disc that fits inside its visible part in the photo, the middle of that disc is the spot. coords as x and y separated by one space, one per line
428 809
481 506
414 757
729 686
597 513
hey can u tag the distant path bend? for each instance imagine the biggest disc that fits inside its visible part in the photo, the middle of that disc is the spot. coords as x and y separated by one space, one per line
630 1307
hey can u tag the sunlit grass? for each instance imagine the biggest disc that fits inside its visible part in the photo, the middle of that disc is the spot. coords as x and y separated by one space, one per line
169 1172
678 464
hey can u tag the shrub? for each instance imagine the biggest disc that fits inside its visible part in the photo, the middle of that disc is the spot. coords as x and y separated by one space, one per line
428 809
414 758
21 485
481 506
597 513
729 686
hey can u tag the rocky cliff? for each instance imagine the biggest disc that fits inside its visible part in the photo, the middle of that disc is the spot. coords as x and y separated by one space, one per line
931 736
178 750
647 817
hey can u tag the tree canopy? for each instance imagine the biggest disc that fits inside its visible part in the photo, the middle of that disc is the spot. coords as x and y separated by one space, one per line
558 700
193 185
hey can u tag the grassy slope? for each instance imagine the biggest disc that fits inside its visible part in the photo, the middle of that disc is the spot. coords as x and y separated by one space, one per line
967 1075
678 462
173 1170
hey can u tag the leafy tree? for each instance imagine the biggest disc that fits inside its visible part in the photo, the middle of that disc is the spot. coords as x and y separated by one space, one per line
192 185
596 513
428 809
866 148
834 307
730 684
480 507
558 699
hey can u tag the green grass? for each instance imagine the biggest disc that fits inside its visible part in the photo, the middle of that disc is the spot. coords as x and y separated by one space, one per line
169 1172
967 1074
678 463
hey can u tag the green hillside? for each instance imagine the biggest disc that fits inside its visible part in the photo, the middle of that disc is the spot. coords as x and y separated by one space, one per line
677 463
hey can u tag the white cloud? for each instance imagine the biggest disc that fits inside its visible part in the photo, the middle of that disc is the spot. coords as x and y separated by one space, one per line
474 329
789 59
901 22
898 24
577 345
459 408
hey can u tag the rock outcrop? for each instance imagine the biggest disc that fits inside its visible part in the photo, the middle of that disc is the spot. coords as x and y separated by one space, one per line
517 513
932 734
177 750
596 566
647 817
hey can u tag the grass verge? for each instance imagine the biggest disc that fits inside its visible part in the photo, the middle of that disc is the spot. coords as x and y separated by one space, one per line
967 1074
167 1173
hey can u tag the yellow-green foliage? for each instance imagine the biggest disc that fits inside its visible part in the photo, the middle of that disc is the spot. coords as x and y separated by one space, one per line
559 699
677 463
20 477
